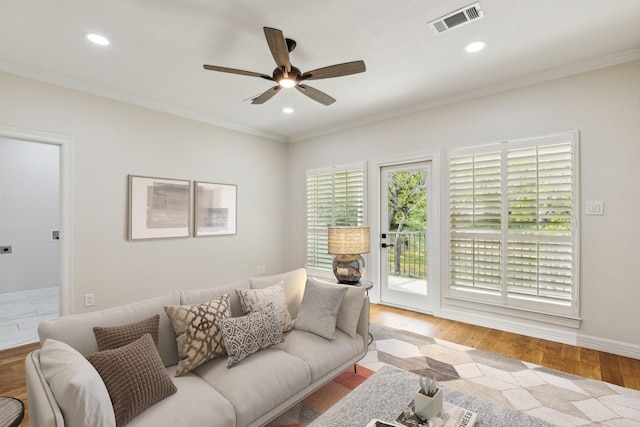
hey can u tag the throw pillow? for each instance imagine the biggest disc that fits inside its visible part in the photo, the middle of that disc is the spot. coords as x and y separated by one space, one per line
76 385
112 337
135 377
256 299
244 336
349 314
199 338
319 309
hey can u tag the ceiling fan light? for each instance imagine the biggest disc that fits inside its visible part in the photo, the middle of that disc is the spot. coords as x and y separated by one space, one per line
287 110
476 46
287 83
97 39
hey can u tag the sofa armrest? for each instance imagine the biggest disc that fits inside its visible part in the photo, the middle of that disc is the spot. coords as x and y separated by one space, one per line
363 323
43 408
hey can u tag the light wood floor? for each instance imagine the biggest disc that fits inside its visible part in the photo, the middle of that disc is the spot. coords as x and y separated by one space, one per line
594 364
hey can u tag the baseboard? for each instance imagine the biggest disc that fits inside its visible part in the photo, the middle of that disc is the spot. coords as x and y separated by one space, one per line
30 294
570 337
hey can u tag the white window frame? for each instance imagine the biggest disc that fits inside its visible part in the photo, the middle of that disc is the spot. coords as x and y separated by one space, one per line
502 301
319 232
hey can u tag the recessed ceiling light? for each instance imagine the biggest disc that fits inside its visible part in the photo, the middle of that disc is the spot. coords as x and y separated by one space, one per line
475 46
287 110
97 39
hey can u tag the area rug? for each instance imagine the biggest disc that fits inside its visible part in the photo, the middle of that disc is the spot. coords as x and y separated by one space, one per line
385 395
556 397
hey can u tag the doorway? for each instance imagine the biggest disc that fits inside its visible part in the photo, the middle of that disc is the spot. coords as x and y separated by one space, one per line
405 256
34 264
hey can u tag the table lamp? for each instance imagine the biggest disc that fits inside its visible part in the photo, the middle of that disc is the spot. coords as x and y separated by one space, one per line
348 244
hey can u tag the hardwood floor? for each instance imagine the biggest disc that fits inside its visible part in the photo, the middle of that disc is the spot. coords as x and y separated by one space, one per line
619 370
594 364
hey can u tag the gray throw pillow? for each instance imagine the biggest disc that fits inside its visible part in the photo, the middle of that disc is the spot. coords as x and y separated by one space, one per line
319 309
246 335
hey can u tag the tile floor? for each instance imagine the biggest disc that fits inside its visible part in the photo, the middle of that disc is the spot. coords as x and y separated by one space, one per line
21 312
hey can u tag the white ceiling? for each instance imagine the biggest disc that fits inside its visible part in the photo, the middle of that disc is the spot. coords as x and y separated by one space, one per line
158 48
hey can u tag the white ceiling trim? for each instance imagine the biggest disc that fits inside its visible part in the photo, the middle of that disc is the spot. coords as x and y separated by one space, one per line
141 102
579 68
582 67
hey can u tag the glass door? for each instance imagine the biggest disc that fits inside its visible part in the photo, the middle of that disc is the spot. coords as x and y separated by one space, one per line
404 228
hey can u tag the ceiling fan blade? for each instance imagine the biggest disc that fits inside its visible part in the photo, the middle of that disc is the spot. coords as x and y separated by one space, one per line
337 70
265 96
315 94
278 47
235 71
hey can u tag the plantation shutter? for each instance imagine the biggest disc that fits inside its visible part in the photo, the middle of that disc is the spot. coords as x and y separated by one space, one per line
334 197
512 222
475 212
540 199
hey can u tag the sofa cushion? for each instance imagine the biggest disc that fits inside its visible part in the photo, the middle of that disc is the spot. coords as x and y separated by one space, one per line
112 337
77 330
76 385
135 377
199 337
246 335
293 287
349 313
198 296
196 403
319 309
320 354
256 299
261 383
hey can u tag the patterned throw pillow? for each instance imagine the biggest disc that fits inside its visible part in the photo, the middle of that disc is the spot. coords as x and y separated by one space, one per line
256 299
112 337
134 376
244 336
199 338
319 309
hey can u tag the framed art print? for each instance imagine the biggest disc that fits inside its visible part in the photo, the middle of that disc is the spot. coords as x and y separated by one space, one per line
159 208
215 212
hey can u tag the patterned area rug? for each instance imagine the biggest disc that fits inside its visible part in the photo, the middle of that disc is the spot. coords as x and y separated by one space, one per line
559 398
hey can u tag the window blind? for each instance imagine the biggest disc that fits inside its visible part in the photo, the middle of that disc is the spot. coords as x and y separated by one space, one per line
512 222
334 197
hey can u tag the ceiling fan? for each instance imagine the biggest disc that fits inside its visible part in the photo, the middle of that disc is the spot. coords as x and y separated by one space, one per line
287 76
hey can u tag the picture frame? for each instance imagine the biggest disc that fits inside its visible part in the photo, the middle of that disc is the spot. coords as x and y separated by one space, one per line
159 208
215 209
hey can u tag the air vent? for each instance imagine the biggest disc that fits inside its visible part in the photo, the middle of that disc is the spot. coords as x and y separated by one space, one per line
457 18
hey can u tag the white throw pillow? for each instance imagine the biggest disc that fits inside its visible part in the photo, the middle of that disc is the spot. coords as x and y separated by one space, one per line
78 388
350 308
319 309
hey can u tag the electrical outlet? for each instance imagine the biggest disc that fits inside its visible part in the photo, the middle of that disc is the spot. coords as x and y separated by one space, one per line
5 250
261 269
89 300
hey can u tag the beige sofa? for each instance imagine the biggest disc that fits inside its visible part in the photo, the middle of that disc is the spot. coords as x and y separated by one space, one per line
251 393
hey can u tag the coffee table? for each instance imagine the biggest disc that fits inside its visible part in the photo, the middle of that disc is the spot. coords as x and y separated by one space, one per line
11 411
387 393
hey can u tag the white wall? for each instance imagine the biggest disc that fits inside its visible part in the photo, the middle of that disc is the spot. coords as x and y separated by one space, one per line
604 105
112 139
29 210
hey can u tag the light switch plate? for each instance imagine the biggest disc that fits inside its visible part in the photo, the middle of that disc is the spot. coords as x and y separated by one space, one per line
594 207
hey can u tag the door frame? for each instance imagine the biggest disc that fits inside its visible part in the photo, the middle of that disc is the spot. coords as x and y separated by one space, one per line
64 143
434 209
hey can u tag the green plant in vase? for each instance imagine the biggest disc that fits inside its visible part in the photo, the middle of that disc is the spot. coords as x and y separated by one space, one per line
428 400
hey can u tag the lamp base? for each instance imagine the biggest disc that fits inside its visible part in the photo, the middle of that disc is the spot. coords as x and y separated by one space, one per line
348 268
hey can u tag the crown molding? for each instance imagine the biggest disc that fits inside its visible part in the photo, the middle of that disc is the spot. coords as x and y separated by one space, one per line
134 100
533 79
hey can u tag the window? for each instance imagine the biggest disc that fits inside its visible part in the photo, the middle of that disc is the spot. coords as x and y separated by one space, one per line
335 196
513 224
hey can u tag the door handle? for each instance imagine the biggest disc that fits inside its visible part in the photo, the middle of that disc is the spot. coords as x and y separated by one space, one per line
384 245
